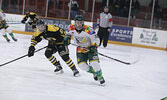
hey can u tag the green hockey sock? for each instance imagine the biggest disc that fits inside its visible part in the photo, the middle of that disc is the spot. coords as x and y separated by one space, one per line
5 36
11 34
99 75
91 70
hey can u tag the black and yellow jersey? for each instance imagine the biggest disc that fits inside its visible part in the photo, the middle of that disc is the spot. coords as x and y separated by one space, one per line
51 33
33 17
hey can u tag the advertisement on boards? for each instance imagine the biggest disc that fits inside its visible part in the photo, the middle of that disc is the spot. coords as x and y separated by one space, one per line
149 37
61 23
121 34
14 22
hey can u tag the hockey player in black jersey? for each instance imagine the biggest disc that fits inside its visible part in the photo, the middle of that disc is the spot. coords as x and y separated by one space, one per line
33 18
55 37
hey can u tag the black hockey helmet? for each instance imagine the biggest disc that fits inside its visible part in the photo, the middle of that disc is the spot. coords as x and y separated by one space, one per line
27 11
40 22
106 7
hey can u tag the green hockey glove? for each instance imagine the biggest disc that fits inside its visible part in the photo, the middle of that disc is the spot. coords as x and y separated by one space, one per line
67 40
93 48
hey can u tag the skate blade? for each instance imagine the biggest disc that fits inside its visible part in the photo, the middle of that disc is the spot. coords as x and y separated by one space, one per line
77 75
102 84
59 72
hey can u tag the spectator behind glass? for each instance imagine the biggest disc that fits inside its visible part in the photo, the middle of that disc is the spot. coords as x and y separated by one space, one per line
135 8
125 9
118 6
75 10
158 14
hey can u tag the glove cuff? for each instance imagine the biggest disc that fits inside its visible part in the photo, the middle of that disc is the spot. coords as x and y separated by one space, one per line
93 44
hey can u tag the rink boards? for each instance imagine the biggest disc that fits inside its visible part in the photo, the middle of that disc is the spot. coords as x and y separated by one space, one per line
122 35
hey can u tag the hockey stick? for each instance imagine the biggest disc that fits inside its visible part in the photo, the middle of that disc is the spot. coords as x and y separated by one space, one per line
127 63
20 57
14 23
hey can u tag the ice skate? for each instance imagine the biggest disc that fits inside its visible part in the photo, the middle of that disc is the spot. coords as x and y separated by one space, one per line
7 39
59 69
102 81
95 76
14 38
76 72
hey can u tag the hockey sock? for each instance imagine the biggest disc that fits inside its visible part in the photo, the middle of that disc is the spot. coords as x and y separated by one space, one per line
70 64
5 36
91 70
99 75
11 34
52 59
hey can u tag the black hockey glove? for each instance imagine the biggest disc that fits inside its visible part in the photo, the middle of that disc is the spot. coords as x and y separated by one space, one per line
31 51
23 21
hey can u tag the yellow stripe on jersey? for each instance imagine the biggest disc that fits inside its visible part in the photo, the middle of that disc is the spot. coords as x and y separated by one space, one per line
36 33
53 28
32 44
34 41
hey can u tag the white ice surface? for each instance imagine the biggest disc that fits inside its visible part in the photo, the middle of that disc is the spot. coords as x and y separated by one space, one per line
33 78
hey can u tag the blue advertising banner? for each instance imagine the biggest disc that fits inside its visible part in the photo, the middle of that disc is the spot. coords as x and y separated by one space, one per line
61 23
121 34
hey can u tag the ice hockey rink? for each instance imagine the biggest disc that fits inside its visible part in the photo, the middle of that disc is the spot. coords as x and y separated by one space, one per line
33 78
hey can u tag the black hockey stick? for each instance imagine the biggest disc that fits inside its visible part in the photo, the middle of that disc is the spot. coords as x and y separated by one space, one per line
127 63
14 23
21 57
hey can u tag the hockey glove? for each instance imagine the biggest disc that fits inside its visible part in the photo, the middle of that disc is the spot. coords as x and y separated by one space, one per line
3 22
23 21
31 51
67 40
93 48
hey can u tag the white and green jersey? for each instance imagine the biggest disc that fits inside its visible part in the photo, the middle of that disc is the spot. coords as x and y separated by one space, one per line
84 38
2 15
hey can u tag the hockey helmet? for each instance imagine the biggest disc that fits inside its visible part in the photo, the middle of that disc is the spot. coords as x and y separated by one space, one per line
106 9
40 25
27 11
79 22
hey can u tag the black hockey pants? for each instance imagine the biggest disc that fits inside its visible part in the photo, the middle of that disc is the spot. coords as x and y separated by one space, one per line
103 35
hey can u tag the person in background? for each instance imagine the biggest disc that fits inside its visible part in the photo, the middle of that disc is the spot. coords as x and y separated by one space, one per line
55 36
104 23
87 42
33 18
135 8
4 26
158 14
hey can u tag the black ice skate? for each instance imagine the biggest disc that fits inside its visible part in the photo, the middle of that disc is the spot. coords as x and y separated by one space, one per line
7 39
95 76
14 38
59 69
102 81
76 72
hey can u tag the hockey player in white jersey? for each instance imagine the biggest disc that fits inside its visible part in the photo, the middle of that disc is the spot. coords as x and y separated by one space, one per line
87 42
4 26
